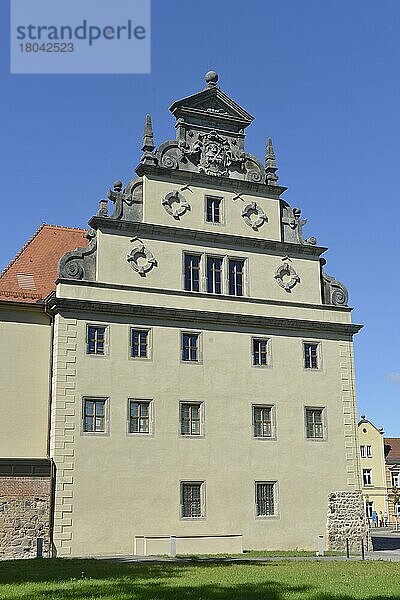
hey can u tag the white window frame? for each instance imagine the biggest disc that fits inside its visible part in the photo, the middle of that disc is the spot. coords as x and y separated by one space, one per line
150 433
202 485
106 401
259 338
199 360
221 210
324 422
365 473
200 404
275 514
106 327
271 408
149 343
395 475
369 508
317 343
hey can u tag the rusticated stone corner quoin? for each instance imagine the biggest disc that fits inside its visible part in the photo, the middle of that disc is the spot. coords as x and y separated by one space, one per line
209 145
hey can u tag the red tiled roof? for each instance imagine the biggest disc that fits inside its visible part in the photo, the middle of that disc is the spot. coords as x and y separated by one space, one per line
392 448
32 274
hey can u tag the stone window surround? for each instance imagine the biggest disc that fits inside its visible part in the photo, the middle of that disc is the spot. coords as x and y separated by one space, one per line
191 436
199 334
225 273
276 514
106 431
273 436
323 410
151 418
106 340
268 339
202 484
319 368
221 209
149 330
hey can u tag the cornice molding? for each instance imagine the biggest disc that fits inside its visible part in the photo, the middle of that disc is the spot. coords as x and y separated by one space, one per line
197 317
210 238
186 293
228 184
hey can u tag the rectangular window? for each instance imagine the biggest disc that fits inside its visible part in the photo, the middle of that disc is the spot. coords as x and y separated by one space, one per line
311 358
139 416
192 272
94 415
265 498
396 479
214 275
96 339
261 356
191 499
366 451
190 347
369 509
140 343
236 277
190 418
314 423
262 421
213 210
367 476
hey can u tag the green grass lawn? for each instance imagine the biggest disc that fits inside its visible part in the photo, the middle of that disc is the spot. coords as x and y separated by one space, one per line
95 579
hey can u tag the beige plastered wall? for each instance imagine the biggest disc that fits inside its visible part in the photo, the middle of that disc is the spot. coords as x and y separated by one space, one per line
24 381
377 492
135 480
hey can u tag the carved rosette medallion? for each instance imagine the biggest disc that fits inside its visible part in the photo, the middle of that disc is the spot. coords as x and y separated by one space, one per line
286 276
140 258
175 204
254 216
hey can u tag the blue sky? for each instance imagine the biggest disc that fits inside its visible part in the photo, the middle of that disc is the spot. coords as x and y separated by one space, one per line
322 79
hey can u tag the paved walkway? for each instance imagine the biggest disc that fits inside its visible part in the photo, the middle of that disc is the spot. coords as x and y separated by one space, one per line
388 555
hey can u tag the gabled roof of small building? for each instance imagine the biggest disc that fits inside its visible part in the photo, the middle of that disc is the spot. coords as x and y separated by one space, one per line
392 449
364 420
32 273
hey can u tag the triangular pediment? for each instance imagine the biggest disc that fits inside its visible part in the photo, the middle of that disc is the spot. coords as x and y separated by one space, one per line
211 102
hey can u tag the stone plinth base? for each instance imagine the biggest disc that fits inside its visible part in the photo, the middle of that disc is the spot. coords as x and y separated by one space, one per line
24 516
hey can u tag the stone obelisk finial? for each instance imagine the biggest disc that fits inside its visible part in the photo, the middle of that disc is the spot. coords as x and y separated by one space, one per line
270 164
148 143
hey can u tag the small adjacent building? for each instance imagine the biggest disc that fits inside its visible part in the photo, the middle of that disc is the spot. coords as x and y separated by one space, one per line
392 459
190 373
373 470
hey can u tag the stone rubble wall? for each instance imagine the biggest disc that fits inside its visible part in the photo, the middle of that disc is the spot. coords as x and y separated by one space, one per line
347 520
24 516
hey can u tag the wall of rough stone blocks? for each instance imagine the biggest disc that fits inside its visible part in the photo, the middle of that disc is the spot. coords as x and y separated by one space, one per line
24 516
347 521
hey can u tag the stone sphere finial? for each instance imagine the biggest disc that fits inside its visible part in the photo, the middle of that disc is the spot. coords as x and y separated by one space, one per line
211 78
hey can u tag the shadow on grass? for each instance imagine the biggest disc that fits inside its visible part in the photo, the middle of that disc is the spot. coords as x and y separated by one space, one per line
91 579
